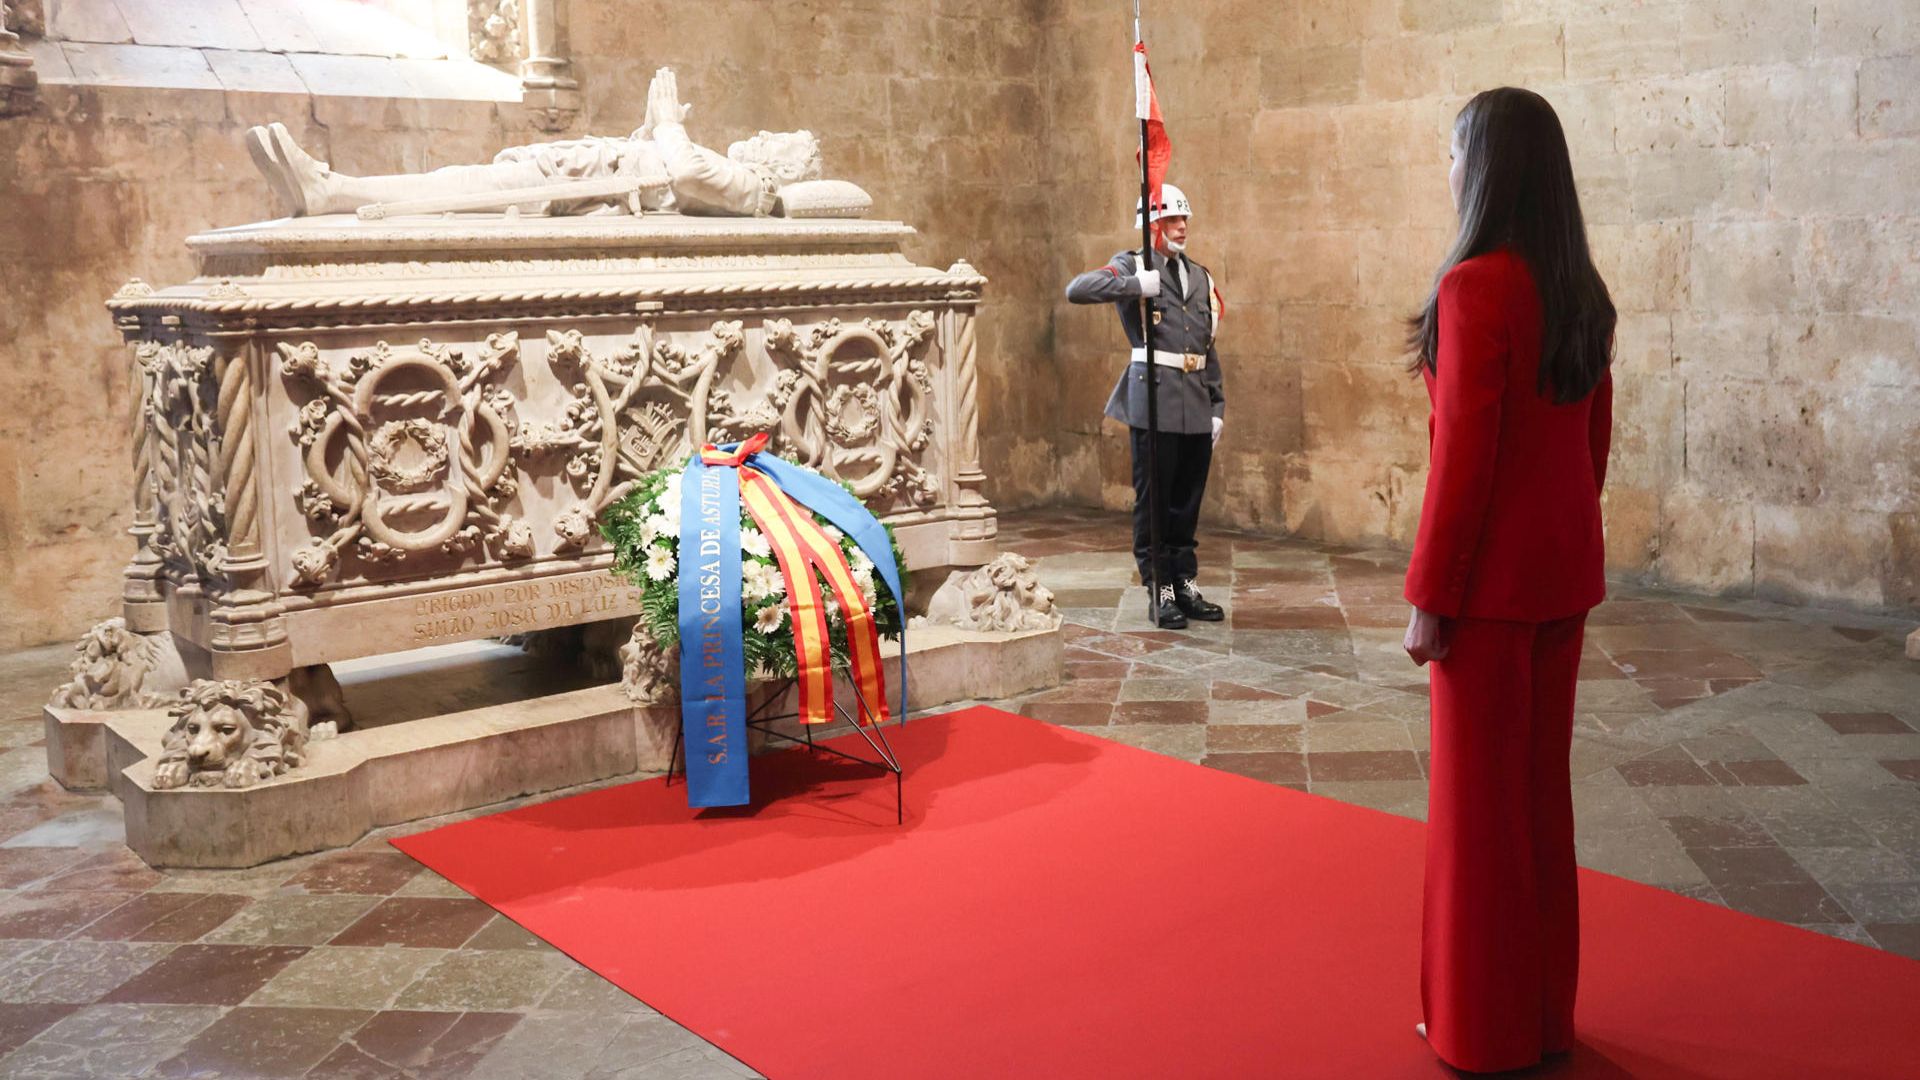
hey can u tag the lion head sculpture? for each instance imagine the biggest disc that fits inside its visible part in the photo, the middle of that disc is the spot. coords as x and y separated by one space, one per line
230 732
649 672
1002 596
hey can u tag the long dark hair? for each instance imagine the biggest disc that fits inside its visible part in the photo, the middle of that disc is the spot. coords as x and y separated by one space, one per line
1517 188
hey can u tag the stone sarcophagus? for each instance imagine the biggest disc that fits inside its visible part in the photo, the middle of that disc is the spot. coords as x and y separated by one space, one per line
393 420
359 437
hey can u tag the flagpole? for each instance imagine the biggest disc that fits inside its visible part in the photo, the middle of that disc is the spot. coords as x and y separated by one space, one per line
1153 369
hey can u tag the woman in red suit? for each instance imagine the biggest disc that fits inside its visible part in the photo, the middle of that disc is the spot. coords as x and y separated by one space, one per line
1514 345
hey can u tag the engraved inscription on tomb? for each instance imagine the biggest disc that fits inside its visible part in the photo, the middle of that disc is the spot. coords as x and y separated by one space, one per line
519 607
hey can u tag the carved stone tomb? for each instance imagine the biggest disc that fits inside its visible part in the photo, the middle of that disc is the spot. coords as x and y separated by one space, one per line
361 437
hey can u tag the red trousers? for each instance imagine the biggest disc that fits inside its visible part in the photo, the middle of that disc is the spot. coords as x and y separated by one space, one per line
1500 941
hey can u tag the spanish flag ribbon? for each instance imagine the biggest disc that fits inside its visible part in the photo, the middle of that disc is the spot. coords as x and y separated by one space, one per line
782 499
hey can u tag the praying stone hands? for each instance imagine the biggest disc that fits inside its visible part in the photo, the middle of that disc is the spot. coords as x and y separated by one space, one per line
663 103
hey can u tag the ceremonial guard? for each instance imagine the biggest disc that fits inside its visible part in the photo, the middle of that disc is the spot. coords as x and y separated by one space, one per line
1186 312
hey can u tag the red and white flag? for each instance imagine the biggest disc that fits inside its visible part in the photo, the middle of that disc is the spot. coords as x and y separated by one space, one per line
1146 106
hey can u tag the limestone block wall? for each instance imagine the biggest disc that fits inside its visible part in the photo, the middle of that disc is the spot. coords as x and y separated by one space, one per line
928 106
1747 169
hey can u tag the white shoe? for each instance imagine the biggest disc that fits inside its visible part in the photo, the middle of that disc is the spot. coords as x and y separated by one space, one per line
307 180
1420 1030
260 147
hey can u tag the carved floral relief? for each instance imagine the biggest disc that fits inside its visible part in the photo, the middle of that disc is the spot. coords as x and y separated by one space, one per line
420 449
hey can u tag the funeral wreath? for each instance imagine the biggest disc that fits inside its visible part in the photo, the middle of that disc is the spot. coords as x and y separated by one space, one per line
643 528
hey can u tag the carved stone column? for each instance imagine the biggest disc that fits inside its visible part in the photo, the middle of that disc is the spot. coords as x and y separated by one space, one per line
974 525
17 78
963 358
546 75
197 502
143 600
248 632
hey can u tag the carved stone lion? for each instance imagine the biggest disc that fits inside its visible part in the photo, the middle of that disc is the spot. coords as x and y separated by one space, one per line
649 673
119 669
1003 596
233 733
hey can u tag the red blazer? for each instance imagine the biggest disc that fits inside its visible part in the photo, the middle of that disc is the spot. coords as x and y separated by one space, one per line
1510 528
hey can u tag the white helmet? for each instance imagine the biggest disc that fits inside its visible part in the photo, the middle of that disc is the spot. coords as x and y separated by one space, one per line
1173 203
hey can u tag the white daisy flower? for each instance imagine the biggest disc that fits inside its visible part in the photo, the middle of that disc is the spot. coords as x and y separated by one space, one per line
753 584
660 563
671 494
762 580
769 618
754 542
860 561
661 526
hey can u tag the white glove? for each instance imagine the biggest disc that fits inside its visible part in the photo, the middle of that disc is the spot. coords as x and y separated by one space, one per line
1217 425
1149 282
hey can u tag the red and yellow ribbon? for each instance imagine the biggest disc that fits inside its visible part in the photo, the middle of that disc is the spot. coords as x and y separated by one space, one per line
800 547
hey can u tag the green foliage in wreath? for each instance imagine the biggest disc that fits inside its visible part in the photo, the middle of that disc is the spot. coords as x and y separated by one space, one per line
643 528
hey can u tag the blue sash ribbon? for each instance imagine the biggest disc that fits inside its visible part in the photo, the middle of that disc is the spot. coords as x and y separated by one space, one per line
713 676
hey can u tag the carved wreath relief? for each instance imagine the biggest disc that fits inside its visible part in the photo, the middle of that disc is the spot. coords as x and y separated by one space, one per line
417 450
406 451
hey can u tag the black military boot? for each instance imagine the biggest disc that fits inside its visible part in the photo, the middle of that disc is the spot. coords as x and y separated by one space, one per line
1165 612
1194 606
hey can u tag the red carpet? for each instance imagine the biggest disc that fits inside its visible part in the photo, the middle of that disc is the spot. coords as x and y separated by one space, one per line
1061 906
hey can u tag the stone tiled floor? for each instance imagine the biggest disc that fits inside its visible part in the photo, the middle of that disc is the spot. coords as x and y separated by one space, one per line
1744 753
1760 757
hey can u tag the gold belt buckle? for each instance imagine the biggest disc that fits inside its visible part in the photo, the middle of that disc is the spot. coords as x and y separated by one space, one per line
1191 362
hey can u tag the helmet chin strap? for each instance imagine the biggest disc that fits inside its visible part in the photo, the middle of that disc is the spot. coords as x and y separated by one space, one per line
1175 246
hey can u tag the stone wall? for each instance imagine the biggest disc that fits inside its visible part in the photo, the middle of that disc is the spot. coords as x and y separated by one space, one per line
1747 168
930 109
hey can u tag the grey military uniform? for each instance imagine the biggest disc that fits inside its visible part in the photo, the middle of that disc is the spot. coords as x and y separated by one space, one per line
1189 400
